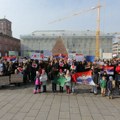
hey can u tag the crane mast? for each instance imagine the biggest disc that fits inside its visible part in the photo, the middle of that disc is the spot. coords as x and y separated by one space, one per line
97 52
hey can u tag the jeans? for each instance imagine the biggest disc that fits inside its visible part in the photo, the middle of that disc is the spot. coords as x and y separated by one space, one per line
54 87
37 87
61 89
110 93
94 89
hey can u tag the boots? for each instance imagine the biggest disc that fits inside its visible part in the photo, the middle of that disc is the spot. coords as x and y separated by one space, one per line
38 91
34 91
68 90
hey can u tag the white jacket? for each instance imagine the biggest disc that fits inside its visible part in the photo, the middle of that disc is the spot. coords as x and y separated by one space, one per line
43 79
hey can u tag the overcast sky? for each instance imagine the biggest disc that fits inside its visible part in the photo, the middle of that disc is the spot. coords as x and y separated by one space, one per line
31 15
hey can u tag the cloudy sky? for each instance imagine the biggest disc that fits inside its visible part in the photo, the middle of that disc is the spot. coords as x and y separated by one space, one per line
31 15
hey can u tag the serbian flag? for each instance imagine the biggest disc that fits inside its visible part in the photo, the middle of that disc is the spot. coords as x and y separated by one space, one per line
109 70
83 78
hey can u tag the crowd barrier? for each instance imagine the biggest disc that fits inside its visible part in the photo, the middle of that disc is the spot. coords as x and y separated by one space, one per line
4 80
13 79
16 78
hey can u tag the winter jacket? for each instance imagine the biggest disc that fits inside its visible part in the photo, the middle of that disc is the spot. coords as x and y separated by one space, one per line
117 69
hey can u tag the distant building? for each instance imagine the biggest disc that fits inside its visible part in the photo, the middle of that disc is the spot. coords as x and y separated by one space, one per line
7 42
116 46
75 41
5 27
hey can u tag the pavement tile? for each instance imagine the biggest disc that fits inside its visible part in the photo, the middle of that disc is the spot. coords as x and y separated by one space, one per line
32 113
26 107
84 110
7 116
74 110
75 117
29 118
87 118
45 109
64 115
53 115
19 116
41 116
109 118
37 105
14 110
97 117
105 112
64 107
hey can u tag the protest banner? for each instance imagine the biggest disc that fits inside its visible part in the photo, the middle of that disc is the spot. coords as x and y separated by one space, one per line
79 57
35 56
83 78
90 58
71 56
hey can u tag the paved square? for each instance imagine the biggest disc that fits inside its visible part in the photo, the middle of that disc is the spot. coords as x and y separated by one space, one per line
19 103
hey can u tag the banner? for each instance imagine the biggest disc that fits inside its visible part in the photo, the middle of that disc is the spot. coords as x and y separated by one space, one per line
109 70
83 78
35 56
13 53
79 57
47 53
107 55
90 58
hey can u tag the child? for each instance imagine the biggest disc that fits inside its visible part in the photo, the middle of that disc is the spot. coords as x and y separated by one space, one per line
103 86
110 87
37 83
61 74
68 81
43 79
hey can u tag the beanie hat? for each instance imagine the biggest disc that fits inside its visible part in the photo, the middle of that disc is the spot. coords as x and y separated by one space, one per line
110 78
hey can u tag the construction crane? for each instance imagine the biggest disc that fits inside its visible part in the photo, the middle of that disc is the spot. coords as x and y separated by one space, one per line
97 54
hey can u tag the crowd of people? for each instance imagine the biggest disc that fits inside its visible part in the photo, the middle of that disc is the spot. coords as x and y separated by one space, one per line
43 72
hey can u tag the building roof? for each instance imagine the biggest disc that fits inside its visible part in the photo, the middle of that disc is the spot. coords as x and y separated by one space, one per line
63 33
4 19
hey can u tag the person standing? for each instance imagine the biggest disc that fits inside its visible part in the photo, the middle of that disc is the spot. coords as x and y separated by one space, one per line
103 84
43 79
33 70
37 83
110 87
117 76
68 82
95 79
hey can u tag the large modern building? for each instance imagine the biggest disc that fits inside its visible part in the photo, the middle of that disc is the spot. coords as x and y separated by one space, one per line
116 46
75 41
7 42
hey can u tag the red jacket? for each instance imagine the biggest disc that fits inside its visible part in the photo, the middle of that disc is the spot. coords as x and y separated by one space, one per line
117 69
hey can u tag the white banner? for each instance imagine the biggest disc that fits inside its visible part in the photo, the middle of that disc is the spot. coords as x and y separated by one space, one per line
35 56
79 57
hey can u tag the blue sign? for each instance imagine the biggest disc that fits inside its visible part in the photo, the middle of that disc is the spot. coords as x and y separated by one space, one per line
90 58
